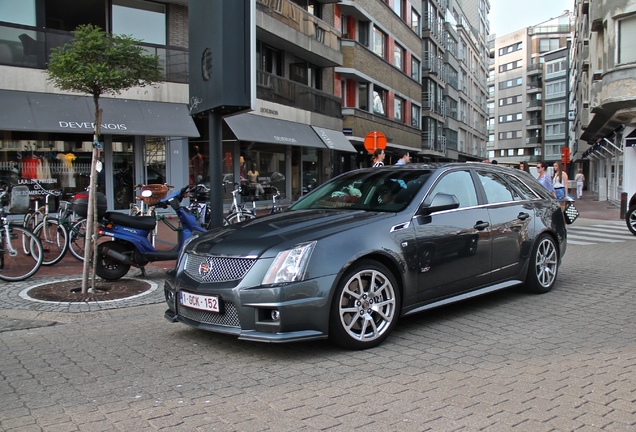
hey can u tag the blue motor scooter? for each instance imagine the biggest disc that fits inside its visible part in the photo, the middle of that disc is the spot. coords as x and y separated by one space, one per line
130 245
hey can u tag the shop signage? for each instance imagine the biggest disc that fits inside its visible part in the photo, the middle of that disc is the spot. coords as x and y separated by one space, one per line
91 126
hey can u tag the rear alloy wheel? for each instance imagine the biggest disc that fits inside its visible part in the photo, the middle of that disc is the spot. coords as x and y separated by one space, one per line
630 219
365 307
544 266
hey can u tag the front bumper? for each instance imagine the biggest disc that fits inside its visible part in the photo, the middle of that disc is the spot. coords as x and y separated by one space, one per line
287 313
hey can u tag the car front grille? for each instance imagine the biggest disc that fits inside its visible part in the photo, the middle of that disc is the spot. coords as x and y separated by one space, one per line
216 268
229 317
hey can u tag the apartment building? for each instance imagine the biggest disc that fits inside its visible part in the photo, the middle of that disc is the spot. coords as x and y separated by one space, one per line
148 134
517 88
455 68
603 78
380 76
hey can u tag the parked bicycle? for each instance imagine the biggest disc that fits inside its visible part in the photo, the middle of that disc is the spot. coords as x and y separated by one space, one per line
17 262
61 232
238 212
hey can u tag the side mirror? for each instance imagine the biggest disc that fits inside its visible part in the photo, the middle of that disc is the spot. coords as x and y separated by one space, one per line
146 193
440 202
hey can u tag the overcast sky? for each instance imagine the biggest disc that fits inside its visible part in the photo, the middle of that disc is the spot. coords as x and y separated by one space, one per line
506 16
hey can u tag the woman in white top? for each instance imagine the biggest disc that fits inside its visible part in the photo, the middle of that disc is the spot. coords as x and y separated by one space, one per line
580 181
560 183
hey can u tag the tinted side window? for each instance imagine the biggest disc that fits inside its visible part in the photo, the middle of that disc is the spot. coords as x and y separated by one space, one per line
523 188
496 188
460 184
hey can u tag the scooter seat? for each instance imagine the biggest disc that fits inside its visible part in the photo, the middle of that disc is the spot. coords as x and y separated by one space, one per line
146 223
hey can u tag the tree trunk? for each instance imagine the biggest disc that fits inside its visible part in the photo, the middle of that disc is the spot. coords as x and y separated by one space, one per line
90 241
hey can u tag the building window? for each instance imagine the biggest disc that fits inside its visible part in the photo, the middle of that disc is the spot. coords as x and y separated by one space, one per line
398 57
18 12
379 42
379 101
555 89
510 66
510 48
269 59
415 21
554 129
398 106
626 35
509 135
140 19
510 83
415 116
546 45
510 100
510 118
363 33
555 66
398 8
363 96
415 69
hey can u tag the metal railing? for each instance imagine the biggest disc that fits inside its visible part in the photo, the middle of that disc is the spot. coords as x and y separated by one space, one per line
31 47
281 90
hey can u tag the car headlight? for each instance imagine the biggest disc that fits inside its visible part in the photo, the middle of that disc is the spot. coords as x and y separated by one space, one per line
289 265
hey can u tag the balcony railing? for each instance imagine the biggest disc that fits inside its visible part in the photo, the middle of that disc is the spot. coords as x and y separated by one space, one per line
299 19
276 89
29 47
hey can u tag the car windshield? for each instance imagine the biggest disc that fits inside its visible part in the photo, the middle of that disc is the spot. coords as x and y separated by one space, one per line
376 190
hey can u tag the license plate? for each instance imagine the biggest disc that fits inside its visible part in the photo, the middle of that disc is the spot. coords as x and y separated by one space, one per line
194 301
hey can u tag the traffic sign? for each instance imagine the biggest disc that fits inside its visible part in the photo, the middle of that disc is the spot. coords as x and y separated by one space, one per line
374 140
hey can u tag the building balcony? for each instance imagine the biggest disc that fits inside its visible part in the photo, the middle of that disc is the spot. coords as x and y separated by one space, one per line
534 69
534 105
534 140
29 47
301 33
283 91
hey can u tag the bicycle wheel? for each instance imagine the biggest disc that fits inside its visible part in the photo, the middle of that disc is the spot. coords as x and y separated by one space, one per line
237 217
54 239
76 239
30 222
15 263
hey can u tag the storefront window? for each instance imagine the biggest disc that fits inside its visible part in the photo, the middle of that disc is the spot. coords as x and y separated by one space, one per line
262 168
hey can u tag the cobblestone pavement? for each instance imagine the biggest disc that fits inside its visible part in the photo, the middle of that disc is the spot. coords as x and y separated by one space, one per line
562 361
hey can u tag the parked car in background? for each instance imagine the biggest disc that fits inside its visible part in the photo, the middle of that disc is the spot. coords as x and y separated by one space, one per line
367 247
630 216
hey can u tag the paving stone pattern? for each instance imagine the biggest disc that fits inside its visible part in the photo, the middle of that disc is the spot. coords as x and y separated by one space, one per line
563 361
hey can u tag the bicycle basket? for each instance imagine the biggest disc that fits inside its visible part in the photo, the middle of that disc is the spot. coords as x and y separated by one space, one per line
19 202
159 192
64 207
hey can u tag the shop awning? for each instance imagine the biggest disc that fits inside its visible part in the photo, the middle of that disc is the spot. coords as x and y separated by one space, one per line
55 113
334 140
250 127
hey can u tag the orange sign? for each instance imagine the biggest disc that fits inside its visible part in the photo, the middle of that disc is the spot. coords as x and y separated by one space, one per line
565 155
374 140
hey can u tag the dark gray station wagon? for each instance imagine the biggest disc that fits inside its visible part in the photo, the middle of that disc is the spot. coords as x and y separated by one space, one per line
371 245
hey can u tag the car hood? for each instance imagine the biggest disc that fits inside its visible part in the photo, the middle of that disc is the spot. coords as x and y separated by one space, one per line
268 235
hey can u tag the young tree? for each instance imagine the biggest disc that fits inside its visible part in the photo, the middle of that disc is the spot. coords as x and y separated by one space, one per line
97 63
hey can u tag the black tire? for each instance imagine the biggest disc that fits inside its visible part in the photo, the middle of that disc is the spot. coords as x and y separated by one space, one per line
76 238
358 320
54 239
234 218
108 268
630 219
15 263
544 266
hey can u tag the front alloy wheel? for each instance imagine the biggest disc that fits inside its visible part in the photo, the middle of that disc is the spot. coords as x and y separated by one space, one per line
544 266
630 219
365 307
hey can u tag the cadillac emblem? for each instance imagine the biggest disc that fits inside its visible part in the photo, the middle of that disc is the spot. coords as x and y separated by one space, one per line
204 268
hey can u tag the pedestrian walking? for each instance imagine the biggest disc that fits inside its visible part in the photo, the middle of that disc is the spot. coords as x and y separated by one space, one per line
580 183
560 184
378 157
405 158
544 177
